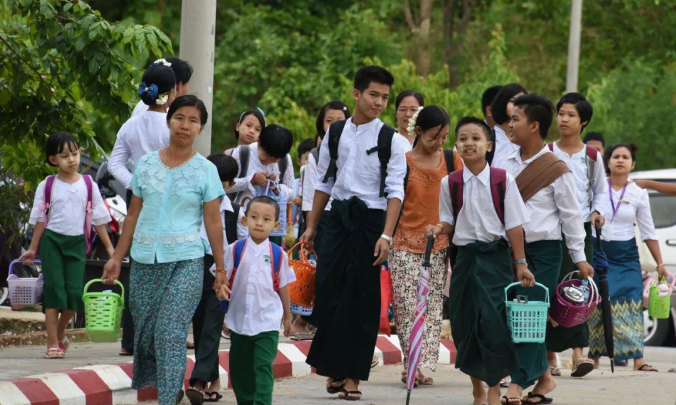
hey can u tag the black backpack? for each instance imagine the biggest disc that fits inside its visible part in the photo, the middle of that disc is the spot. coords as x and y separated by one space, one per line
244 154
384 149
231 219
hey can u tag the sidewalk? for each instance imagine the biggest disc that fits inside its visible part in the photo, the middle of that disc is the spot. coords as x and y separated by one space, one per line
94 374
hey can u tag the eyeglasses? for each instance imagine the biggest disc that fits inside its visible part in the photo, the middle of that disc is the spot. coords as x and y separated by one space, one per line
404 110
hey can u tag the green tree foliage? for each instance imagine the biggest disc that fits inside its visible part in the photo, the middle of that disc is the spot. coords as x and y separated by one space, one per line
62 65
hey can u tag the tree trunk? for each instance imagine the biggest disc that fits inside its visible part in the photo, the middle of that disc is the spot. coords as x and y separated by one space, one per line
424 57
454 38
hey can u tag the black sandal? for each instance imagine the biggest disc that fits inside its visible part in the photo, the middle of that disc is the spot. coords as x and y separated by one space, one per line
195 396
512 400
210 396
344 394
542 399
334 389
647 365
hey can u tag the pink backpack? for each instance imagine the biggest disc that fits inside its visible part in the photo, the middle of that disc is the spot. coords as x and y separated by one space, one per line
88 228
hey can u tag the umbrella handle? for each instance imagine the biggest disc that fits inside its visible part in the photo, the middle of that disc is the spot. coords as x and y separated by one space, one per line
597 227
428 248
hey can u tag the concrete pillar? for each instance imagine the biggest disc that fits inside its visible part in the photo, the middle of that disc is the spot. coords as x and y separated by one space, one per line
574 46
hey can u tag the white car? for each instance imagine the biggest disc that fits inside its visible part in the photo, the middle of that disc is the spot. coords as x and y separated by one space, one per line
659 332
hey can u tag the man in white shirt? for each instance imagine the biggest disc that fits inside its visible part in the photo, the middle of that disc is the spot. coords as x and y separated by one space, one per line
368 189
573 114
183 72
501 111
547 186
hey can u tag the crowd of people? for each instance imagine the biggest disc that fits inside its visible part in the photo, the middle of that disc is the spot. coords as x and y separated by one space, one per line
502 204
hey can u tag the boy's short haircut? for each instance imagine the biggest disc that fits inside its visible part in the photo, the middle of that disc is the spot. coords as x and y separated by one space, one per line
499 105
58 142
276 141
488 97
305 147
263 199
538 109
595 136
182 70
584 109
227 166
372 74
476 121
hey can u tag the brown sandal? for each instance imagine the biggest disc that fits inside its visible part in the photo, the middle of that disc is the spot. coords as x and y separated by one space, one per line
642 368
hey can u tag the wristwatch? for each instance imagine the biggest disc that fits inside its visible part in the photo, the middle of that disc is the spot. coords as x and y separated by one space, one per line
387 238
520 261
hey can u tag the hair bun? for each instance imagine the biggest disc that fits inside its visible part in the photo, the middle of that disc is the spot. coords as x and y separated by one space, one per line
633 146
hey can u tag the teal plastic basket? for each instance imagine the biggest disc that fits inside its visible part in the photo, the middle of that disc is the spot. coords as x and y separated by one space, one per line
103 313
527 320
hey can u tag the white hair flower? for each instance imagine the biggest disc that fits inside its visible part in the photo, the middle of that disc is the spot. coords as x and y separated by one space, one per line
162 62
412 122
162 100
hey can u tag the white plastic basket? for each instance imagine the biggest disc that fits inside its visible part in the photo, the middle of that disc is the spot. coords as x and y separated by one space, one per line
24 291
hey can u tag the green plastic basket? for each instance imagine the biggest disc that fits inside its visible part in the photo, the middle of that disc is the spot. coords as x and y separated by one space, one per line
103 313
659 306
527 320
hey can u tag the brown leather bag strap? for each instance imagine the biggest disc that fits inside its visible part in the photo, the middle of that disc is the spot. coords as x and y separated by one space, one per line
539 174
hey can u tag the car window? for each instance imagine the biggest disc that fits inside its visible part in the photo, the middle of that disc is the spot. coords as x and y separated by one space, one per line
663 208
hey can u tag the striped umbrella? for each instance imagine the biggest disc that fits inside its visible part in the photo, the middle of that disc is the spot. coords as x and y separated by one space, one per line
416 339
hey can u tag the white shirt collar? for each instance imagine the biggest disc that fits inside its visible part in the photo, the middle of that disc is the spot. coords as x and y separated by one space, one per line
517 155
484 176
363 127
256 246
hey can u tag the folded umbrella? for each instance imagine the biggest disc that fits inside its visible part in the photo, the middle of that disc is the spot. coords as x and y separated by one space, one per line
601 269
416 339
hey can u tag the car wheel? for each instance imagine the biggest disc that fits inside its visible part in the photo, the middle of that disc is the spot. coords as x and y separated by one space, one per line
655 331
4 293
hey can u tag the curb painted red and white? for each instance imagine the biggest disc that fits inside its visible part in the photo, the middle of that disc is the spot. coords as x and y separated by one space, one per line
111 384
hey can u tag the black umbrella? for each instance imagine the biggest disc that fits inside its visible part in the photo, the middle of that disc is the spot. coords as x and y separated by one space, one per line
601 268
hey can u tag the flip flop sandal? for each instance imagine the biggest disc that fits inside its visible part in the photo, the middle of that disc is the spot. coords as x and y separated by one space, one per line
375 362
303 336
195 396
555 371
54 353
646 365
126 352
404 380
345 395
64 344
542 399
189 345
211 398
331 388
179 397
424 381
583 368
510 401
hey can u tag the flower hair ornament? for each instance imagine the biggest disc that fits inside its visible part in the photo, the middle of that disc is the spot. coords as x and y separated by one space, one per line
412 122
161 62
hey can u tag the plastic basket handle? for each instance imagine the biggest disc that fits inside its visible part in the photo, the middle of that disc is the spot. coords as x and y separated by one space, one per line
594 288
11 265
517 283
304 254
98 280
673 279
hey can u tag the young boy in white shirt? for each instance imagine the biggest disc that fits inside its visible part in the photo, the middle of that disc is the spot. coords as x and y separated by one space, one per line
547 186
259 275
492 214
573 114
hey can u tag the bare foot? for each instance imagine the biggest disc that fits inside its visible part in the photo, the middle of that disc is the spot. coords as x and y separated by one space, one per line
597 363
545 385
641 365
513 395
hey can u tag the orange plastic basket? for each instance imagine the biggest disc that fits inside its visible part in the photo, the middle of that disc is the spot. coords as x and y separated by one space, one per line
302 291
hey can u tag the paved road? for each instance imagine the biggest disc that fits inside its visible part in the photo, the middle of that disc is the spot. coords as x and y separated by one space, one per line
453 388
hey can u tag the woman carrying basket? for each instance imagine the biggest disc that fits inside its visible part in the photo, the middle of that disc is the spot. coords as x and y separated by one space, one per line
626 202
175 189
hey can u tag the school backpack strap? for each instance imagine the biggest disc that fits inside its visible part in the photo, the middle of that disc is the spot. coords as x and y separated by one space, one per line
231 223
449 156
592 158
49 188
455 187
384 149
89 235
237 253
244 154
276 264
335 131
498 189
315 154
551 146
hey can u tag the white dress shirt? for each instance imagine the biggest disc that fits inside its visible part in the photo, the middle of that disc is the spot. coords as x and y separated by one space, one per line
310 184
578 165
503 146
358 172
67 210
243 184
255 307
635 204
140 108
144 133
477 219
552 209
226 205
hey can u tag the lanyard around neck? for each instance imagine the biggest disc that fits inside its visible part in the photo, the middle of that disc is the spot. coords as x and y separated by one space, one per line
612 202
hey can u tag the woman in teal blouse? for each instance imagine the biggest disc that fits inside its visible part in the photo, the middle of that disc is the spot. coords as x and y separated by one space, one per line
174 190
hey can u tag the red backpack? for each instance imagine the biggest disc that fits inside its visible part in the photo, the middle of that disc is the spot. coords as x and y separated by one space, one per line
88 228
498 189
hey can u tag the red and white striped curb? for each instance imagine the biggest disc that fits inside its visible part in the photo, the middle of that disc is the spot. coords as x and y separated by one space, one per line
111 384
